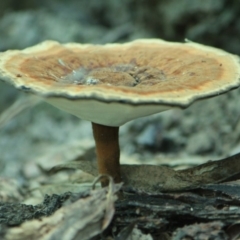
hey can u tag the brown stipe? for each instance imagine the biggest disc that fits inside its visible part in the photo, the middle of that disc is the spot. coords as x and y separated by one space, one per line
108 152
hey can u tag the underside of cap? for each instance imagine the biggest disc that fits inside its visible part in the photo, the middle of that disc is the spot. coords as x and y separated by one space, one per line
147 72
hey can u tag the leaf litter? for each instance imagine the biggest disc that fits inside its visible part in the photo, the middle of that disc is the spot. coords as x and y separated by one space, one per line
183 197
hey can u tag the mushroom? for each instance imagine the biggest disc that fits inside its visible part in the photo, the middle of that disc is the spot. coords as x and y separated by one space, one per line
112 84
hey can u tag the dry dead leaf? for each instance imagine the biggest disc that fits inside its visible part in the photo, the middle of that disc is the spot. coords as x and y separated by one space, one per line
152 178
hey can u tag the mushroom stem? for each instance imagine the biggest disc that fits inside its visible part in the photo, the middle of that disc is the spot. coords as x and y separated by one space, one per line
107 150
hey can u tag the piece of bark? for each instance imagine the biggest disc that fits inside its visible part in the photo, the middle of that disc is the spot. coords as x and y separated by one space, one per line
160 211
150 178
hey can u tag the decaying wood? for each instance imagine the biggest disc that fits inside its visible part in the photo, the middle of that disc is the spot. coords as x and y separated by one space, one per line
167 212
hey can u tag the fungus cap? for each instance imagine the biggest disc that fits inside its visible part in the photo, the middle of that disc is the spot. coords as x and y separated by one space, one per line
115 83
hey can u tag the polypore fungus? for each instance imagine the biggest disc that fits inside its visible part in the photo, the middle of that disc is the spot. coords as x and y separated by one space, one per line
112 84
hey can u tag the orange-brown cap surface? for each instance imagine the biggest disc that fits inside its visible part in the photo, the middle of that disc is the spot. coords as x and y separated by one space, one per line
114 83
